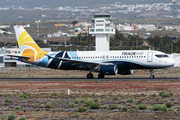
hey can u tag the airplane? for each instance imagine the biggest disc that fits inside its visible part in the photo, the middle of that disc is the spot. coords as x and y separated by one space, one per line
103 62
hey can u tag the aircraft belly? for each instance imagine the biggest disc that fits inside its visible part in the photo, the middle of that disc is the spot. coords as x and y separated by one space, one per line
129 65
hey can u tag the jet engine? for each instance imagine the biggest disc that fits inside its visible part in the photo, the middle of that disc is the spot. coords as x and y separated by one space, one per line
125 71
108 69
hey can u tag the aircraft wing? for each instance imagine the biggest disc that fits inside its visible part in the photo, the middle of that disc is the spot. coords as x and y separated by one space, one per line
18 56
81 62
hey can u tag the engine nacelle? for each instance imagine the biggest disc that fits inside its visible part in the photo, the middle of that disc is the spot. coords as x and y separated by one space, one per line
125 71
108 69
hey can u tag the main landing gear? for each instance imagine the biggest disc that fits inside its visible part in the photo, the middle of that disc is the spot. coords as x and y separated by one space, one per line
89 75
151 72
100 75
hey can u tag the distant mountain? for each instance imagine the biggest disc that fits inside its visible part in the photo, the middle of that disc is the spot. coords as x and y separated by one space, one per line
73 3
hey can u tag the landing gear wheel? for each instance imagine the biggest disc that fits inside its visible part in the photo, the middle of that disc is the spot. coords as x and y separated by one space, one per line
152 76
100 75
90 76
151 72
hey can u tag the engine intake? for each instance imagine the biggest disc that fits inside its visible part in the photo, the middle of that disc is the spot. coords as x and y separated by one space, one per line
125 71
108 69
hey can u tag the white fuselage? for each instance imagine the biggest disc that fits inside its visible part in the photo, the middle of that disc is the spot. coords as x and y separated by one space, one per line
124 59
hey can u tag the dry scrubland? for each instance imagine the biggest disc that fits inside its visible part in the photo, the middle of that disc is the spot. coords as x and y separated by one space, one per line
88 99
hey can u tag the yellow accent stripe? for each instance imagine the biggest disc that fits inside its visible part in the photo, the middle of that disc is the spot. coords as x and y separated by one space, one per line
25 39
36 47
22 36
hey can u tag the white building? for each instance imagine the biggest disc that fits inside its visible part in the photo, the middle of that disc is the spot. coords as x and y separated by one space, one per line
150 27
168 27
85 24
57 34
102 28
2 32
78 29
128 28
141 27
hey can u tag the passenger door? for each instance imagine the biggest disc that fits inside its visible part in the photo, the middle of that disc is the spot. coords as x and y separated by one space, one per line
150 57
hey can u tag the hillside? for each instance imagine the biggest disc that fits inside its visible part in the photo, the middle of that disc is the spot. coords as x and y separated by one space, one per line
58 3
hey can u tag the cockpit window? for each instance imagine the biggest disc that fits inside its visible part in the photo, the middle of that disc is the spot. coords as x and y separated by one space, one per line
161 56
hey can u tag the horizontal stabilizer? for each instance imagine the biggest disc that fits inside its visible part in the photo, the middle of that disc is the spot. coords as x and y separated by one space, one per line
18 56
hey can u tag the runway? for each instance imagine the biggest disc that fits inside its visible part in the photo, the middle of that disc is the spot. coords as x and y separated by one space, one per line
85 79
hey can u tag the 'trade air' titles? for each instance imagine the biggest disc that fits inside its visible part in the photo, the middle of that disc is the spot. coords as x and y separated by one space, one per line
132 53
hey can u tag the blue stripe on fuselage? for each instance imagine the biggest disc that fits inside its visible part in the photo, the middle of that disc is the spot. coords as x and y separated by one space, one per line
45 60
55 62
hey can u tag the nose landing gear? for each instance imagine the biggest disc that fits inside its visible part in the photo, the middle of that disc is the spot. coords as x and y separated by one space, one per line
151 72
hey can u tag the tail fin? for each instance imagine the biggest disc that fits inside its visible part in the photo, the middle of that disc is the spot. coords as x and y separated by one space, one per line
27 45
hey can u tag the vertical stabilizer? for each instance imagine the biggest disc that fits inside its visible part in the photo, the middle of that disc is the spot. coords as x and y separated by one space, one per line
27 45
